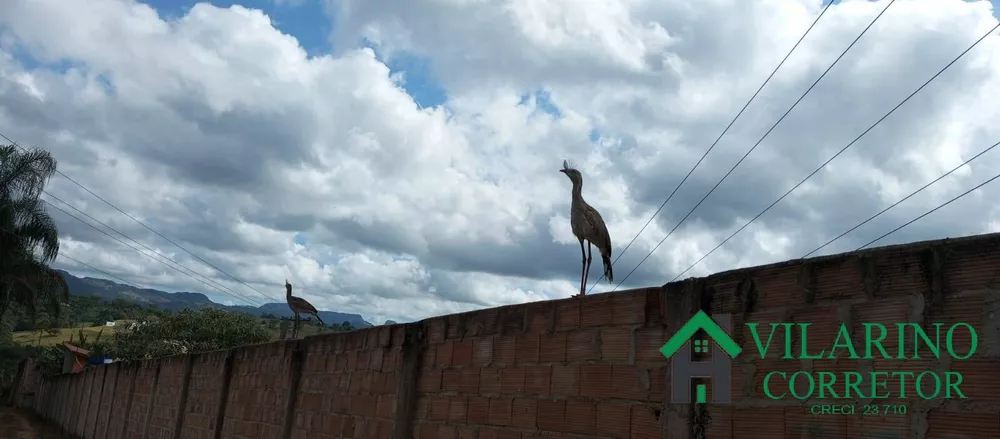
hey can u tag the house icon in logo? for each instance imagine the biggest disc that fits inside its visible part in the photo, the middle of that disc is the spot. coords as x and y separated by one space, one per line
718 369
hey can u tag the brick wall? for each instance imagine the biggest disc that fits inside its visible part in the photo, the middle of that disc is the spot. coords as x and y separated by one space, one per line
577 368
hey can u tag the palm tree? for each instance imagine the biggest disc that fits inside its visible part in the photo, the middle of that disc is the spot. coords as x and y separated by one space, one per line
28 235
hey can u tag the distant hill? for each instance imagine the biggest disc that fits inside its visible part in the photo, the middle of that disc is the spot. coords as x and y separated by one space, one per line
390 322
108 290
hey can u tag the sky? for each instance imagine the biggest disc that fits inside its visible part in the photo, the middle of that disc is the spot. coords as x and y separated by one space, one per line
399 158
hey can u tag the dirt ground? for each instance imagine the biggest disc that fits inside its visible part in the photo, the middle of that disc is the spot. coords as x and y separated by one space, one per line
20 424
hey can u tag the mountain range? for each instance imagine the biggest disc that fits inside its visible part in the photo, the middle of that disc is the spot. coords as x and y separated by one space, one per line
108 290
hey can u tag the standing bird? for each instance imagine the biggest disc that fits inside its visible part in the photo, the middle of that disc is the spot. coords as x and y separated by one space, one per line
588 225
299 305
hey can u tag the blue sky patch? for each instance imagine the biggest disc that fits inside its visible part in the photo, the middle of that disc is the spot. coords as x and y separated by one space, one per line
419 80
307 20
543 101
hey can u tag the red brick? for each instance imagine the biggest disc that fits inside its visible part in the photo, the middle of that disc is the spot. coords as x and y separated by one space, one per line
552 348
594 310
489 380
458 408
552 415
769 422
439 408
348 427
583 416
436 329
565 380
539 317
645 423
648 342
628 308
504 349
429 381
523 413
489 433
616 343
961 423
462 353
596 380
613 420
567 314
451 380
500 411
425 430
884 426
468 433
386 406
979 379
799 422
512 380
398 335
465 381
782 287
583 345
479 410
443 353
537 380
482 351
527 348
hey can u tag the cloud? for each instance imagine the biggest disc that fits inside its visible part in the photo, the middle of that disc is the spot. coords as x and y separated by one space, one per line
221 132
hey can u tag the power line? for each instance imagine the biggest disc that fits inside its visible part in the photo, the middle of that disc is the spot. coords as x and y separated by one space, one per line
222 288
840 152
842 54
140 251
903 199
929 212
710 148
98 270
144 224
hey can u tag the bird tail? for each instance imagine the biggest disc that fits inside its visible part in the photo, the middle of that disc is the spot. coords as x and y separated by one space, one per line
320 320
608 272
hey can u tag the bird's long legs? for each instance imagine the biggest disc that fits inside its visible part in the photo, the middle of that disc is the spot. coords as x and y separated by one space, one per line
583 268
586 271
295 327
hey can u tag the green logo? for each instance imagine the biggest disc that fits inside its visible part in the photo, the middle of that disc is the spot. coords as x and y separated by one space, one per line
683 369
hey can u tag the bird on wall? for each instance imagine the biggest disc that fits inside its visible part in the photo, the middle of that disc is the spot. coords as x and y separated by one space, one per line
299 306
588 225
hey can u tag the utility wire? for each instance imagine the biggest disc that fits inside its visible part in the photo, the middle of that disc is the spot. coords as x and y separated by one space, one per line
141 252
902 200
842 54
929 212
710 148
224 289
146 226
98 270
840 152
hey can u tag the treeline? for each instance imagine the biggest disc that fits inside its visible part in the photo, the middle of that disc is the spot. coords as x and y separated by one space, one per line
80 311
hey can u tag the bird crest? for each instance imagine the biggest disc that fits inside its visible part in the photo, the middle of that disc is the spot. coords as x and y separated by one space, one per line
568 166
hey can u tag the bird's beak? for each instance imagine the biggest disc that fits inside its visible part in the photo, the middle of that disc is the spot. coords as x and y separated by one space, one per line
562 170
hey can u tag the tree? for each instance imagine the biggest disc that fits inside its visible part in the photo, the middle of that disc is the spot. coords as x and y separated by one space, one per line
188 331
28 235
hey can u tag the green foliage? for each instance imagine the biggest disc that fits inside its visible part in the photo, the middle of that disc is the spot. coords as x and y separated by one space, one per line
86 311
49 358
28 235
188 331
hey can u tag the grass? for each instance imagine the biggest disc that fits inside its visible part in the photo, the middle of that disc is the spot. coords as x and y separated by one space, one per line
31 338
62 335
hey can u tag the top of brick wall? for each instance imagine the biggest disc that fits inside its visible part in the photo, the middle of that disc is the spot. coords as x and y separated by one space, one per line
989 242
912 268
